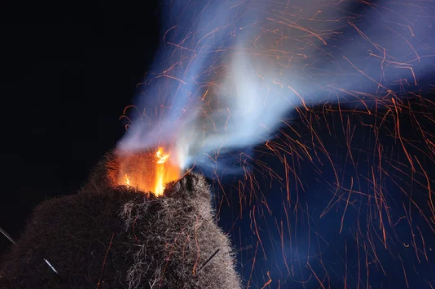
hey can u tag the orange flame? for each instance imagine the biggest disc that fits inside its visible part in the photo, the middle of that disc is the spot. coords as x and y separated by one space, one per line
160 172
145 171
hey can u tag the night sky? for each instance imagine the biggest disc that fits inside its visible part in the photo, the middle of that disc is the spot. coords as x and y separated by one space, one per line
69 69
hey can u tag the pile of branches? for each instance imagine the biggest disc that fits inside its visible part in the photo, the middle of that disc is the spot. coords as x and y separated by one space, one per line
118 237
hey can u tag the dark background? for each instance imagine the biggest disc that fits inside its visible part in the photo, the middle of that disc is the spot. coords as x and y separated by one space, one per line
68 69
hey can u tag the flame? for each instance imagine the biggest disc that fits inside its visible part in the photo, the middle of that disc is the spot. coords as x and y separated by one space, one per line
160 172
145 171
161 158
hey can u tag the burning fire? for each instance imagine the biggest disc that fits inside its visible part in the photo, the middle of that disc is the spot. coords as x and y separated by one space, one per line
160 172
145 171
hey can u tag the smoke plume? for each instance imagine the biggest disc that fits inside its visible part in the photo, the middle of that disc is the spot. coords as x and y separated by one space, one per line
229 72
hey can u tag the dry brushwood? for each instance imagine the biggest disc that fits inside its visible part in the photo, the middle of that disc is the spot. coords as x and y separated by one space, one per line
117 237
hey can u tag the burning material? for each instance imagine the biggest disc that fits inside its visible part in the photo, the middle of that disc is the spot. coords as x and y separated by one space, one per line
163 173
145 171
114 237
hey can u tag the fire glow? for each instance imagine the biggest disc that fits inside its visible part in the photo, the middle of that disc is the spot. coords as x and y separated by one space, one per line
160 172
146 171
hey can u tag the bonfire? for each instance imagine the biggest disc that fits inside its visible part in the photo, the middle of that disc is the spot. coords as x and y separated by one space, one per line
113 234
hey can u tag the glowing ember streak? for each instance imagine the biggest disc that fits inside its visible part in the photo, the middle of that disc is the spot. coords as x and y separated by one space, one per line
127 180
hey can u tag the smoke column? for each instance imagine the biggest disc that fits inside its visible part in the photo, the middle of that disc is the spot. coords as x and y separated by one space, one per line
228 72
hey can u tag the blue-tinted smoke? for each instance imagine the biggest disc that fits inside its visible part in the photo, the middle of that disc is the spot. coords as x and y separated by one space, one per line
229 71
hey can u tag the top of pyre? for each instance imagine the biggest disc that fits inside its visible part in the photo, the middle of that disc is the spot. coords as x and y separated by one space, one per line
112 237
146 171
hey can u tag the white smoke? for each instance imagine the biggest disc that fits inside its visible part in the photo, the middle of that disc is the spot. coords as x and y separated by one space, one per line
232 70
